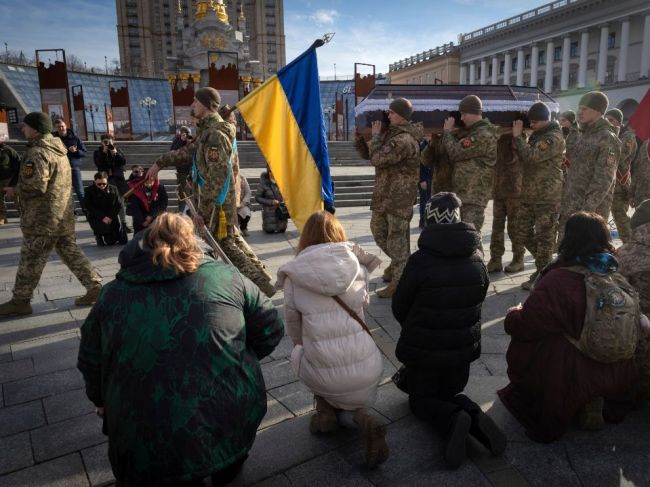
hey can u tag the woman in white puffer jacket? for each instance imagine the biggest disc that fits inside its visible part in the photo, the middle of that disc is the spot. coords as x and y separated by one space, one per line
333 355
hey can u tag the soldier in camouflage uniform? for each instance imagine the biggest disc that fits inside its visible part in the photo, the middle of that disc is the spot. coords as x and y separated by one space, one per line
474 157
542 159
9 166
46 217
591 178
621 201
435 155
506 202
571 135
211 151
396 157
640 189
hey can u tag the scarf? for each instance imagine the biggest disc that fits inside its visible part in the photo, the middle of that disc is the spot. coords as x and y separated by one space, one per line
600 263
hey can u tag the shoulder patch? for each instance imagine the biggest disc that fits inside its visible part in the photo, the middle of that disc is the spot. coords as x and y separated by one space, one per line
467 142
28 169
213 153
611 158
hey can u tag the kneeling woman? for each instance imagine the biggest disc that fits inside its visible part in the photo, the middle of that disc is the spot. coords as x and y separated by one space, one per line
325 290
551 381
170 355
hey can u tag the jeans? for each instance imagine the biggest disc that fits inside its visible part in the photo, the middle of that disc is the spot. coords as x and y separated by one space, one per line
78 185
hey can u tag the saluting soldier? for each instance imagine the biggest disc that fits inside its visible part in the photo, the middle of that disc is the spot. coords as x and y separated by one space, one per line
474 157
214 183
46 217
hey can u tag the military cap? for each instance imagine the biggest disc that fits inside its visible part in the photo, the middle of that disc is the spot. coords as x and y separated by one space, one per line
570 115
596 100
39 121
471 104
616 114
539 112
402 107
209 97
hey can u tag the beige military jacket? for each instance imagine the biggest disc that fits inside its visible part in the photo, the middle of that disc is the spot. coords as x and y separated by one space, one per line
628 151
45 189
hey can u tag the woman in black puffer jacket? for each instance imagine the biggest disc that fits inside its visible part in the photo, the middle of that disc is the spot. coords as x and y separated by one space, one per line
438 303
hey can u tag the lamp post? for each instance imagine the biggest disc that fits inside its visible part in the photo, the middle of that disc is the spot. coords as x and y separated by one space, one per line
91 108
149 103
328 113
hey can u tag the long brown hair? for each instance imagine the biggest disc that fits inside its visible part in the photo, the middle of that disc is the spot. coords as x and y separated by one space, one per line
173 243
321 227
585 233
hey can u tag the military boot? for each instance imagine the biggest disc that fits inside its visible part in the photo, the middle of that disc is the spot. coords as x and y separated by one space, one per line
530 283
590 417
495 265
388 274
90 297
387 292
373 433
16 307
517 264
268 289
324 421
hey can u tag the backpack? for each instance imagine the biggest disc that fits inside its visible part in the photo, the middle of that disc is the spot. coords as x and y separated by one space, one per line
612 315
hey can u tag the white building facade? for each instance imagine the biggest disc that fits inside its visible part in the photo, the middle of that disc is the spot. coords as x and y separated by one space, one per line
567 48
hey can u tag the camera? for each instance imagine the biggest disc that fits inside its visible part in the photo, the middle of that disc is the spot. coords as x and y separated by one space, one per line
111 147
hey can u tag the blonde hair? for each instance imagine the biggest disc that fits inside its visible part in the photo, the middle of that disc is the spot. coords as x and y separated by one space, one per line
173 243
321 227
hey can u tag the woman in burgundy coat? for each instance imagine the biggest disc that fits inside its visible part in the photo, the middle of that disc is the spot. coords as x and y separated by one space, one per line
550 380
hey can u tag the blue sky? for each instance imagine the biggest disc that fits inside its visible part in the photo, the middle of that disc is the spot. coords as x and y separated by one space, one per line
376 32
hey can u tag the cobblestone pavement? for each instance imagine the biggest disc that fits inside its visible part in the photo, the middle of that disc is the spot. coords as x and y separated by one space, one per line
49 434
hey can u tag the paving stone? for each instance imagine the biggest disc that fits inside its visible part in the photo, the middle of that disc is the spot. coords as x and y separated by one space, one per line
543 465
283 350
494 306
53 360
67 405
67 436
326 470
66 471
275 481
495 343
278 373
286 445
23 417
71 290
42 322
275 413
625 466
495 363
478 368
507 478
18 369
387 346
41 386
59 341
513 430
296 397
97 465
391 402
493 327
388 370
16 454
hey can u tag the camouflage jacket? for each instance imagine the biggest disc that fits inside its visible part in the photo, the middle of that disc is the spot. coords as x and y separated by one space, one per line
634 261
9 164
211 149
474 157
435 155
628 151
571 139
45 188
508 170
174 359
640 189
591 177
396 157
542 159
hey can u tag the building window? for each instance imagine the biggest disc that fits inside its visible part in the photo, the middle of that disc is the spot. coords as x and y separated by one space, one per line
527 61
514 64
489 70
502 67
557 54
542 58
611 40
574 49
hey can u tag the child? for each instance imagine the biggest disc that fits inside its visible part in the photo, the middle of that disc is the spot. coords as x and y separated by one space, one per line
438 303
334 354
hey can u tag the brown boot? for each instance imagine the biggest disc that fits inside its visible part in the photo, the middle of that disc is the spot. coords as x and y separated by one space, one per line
373 433
90 297
530 283
590 417
495 265
16 307
324 421
517 264
386 292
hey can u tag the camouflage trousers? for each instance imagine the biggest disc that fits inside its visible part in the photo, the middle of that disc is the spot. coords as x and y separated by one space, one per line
620 205
3 205
536 231
34 254
244 259
181 189
474 214
393 237
505 209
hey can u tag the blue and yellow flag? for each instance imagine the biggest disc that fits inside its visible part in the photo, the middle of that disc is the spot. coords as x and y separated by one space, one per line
286 119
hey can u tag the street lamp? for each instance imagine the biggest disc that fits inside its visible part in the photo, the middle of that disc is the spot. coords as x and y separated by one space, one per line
92 109
329 111
149 103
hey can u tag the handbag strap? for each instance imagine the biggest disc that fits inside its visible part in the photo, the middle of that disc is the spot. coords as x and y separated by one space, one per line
353 314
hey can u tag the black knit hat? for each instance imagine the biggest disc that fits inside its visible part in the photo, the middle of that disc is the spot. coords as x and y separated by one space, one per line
443 208
596 100
209 97
471 104
39 121
539 112
402 107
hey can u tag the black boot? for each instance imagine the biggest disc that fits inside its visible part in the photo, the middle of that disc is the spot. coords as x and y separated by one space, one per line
100 241
483 428
455 440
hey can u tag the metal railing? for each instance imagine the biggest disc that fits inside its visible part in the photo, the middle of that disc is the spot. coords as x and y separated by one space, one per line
422 56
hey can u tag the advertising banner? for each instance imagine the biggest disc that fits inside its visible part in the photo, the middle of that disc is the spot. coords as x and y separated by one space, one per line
119 95
78 112
53 83
182 98
363 83
223 74
4 125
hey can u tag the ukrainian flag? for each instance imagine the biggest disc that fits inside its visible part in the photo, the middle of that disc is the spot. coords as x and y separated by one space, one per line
285 116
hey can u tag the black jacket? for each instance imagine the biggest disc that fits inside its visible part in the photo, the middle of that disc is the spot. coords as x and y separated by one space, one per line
113 165
99 204
71 139
439 297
